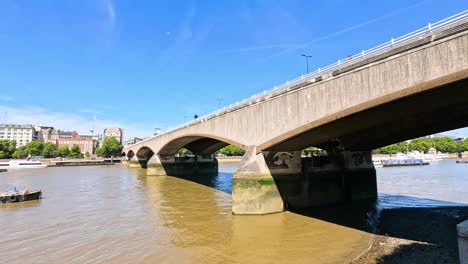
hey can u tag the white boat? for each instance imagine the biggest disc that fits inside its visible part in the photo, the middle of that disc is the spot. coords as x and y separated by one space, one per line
429 157
22 164
378 163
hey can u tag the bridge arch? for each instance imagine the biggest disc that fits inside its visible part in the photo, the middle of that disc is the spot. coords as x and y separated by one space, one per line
198 144
144 154
129 154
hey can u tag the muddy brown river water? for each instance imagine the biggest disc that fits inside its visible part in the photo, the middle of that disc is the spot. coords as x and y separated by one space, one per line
113 214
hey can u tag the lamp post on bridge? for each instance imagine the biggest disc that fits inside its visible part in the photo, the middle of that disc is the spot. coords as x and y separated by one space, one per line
219 102
307 60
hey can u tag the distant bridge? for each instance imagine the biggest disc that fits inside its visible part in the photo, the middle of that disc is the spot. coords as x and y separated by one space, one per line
409 87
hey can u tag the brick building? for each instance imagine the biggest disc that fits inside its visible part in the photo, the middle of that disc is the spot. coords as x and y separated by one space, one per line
69 139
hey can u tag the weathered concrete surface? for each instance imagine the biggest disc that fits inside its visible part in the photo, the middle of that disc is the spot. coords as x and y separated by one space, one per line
462 230
155 167
266 182
254 190
134 162
198 165
326 181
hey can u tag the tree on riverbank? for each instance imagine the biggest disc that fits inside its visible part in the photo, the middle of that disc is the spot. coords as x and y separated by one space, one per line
463 145
7 148
19 153
314 151
63 151
75 151
441 144
110 147
50 150
34 148
184 151
231 150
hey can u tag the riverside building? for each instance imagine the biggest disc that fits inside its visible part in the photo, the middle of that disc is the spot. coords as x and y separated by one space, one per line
23 134
133 140
69 139
116 132
44 133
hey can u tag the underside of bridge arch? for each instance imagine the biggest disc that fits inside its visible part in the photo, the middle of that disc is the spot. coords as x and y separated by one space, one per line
201 145
423 113
143 155
201 163
127 157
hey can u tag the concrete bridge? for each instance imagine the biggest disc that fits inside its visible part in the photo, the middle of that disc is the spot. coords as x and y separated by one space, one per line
412 86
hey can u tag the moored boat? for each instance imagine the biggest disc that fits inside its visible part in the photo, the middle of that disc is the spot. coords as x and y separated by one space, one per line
22 164
16 195
404 162
378 163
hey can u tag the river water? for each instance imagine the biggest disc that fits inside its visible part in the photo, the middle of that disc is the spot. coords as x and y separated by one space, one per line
113 214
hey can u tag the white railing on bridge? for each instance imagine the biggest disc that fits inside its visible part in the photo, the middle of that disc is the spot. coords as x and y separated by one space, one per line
350 60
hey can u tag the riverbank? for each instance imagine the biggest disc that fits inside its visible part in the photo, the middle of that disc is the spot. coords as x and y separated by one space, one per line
416 235
79 162
229 159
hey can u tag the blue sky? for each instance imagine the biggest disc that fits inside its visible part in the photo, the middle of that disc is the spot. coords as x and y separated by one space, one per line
146 64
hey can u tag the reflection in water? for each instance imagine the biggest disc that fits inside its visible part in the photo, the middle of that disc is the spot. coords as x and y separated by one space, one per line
119 215
14 206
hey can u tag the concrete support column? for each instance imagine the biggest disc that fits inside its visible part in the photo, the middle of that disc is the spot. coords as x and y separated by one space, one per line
134 163
198 165
206 165
360 177
155 167
462 230
340 177
254 190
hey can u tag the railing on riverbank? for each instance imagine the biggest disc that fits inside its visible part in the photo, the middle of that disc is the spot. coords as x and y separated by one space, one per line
393 44
82 162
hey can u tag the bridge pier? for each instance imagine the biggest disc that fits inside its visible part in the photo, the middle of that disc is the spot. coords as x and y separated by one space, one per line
155 167
462 230
134 162
125 161
266 182
330 180
254 188
161 165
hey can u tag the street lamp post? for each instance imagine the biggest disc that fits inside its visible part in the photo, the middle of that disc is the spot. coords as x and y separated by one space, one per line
307 60
219 102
